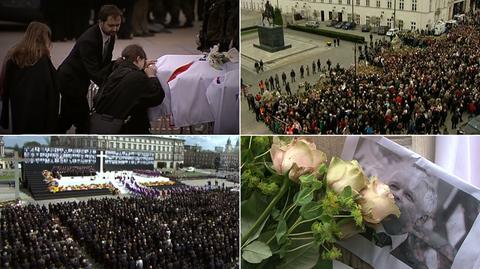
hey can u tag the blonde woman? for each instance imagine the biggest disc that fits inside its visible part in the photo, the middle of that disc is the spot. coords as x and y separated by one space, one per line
29 84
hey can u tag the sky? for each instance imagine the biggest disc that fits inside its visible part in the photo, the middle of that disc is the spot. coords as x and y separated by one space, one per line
211 141
208 142
10 141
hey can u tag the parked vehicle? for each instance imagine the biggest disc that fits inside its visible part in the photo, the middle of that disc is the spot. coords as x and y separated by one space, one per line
451 24
313 24
439 28
382 30
459 17
366 28
339 25
392 32
349 26
332 23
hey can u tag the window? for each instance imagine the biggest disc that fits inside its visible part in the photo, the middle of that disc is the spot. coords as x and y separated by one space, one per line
367 3
389 4
402 5
414 6
400 25
378 3
357 19
349 17
413 26
389 23
367 20
329 1
340 2
349 2
358 2
321 1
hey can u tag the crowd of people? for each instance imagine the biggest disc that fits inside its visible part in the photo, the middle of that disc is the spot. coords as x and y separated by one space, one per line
73 171
412 89
69 20
51 155
31 86
31 238
135 188
193 228
148 173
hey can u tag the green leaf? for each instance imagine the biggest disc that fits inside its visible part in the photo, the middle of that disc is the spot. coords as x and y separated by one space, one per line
316 185
283 249
307 179
322 169
281 231
347 192
304 196
304 258
275 214
311 210
256 252
251 211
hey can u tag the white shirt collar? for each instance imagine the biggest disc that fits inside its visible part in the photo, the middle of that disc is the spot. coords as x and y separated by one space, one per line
105 37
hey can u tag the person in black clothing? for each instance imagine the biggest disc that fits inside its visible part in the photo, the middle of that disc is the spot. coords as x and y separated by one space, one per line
129 91
30 85
90 59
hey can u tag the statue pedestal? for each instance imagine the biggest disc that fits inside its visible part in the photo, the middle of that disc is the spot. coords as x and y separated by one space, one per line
271 38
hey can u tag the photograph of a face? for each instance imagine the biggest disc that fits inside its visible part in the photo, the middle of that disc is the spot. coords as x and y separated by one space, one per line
438 212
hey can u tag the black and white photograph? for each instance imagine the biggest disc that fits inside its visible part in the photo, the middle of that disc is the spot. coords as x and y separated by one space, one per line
439 212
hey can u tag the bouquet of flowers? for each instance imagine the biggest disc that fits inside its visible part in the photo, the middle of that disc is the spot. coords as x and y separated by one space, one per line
295 207
216 58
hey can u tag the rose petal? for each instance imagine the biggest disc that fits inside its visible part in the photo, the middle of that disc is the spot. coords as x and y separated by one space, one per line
277 158
298 153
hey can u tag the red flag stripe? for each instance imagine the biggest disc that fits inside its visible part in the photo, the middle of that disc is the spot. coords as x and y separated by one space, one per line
179 70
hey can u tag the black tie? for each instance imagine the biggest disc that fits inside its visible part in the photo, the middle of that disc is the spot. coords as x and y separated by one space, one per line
105 48
382 239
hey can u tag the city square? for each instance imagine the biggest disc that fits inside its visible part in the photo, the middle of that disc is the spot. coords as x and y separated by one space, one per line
265 113
152 202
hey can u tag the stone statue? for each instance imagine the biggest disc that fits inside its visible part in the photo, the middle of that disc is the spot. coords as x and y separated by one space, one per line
268 13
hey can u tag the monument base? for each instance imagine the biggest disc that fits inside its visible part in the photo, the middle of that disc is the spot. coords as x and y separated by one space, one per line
271 49
271 38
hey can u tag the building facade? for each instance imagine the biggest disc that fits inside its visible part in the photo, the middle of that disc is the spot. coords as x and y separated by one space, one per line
402 14
229 158
223 159
198 158
168 150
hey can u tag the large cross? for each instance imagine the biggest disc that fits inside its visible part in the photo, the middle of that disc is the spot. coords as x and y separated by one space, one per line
101 155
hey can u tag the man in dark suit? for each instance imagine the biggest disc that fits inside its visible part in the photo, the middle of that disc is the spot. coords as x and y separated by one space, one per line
90 59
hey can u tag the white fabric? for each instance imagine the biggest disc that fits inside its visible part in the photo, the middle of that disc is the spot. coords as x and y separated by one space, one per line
109 176
459 155
186 95
222 95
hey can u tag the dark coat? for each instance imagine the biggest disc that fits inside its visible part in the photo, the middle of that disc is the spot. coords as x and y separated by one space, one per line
129 92
33 94
84 63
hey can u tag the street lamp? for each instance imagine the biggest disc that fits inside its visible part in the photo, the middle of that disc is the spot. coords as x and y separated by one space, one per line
394 13
354 56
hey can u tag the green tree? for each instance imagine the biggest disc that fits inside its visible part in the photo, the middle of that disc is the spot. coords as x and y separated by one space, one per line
277 17
17 148
31 144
